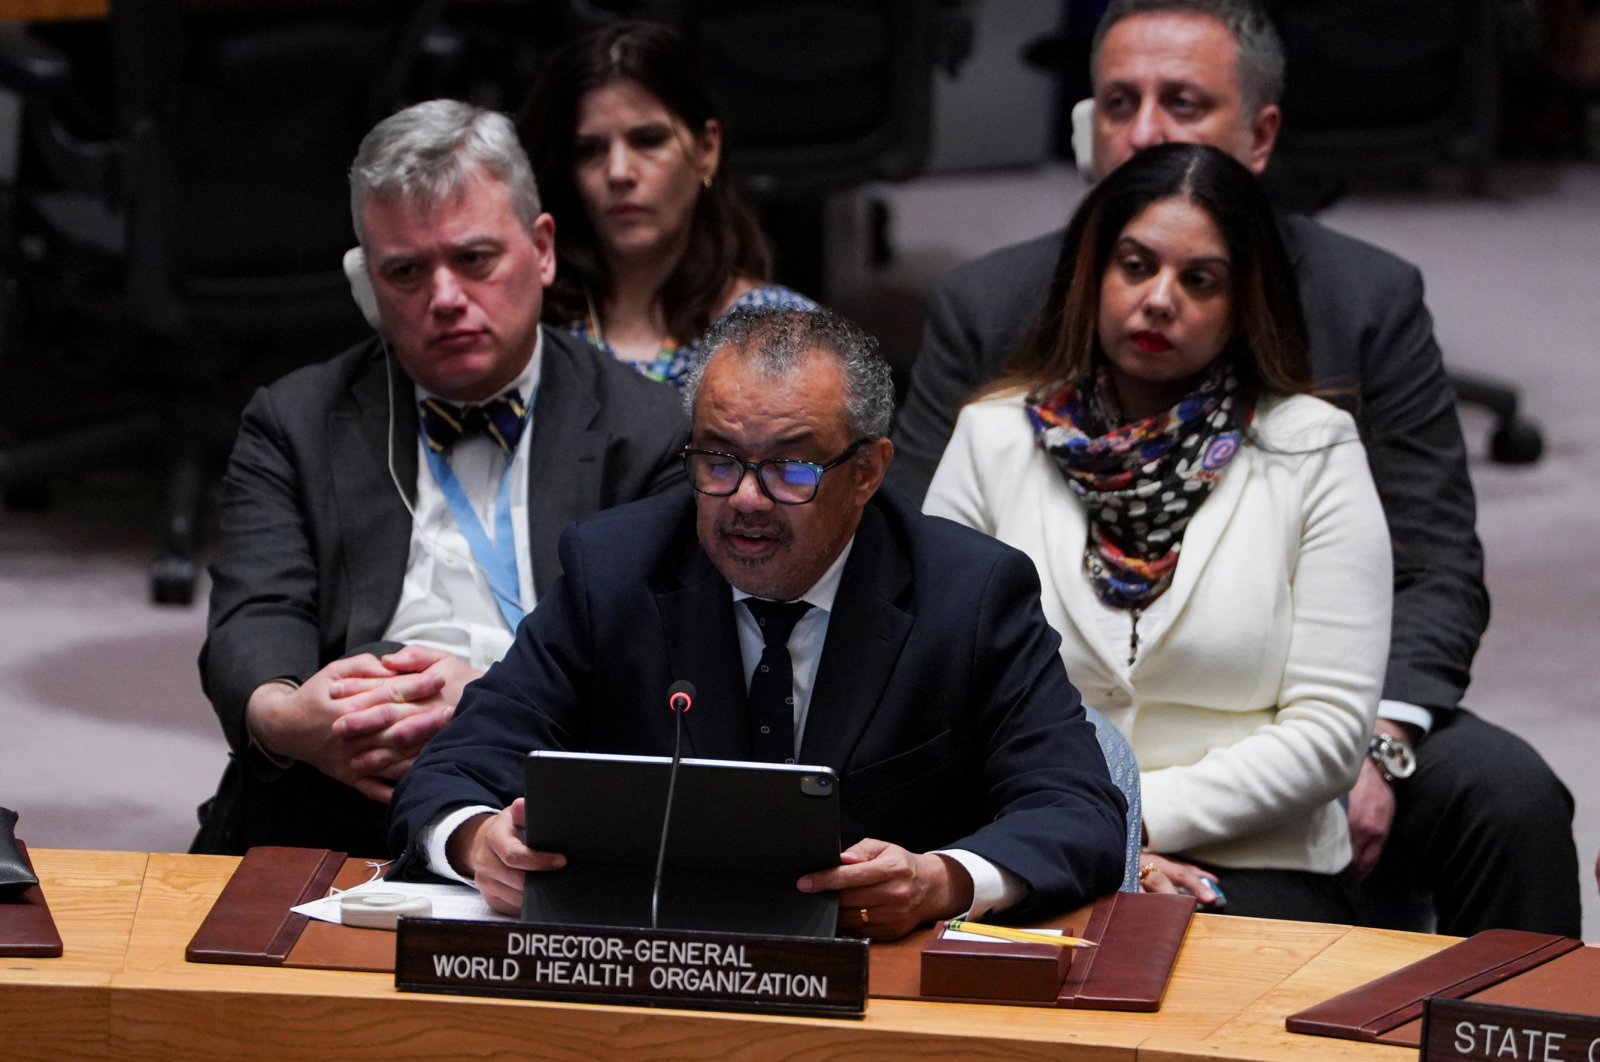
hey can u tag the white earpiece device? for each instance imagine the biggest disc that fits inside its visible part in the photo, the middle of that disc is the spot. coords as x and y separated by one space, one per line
381 910
1082 140
355 271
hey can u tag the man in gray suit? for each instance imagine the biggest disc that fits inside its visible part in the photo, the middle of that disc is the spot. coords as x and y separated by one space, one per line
390 515
1447 805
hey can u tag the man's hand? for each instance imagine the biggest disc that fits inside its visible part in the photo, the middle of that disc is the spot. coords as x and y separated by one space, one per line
360 720
489 850
1166 874
398 712
298 723
1372 804
410 675
1371 816
898 890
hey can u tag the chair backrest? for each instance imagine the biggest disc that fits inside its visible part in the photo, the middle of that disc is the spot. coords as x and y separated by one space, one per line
824 94
1371 85
1125 773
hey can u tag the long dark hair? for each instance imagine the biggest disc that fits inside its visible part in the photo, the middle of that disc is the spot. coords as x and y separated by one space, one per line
1268 348
725 240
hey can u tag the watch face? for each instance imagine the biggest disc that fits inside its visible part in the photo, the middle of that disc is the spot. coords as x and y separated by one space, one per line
1398 758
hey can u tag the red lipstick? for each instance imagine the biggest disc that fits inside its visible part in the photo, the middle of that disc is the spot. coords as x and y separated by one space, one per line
1151 342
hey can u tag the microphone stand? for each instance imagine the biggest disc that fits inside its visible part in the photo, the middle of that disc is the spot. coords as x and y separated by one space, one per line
680 701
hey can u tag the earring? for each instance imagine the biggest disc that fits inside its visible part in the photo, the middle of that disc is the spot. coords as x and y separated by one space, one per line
707 182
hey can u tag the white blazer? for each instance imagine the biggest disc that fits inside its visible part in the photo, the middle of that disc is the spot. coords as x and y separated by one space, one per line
1257 678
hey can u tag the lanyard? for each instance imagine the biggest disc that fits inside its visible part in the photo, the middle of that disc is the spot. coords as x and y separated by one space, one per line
498 559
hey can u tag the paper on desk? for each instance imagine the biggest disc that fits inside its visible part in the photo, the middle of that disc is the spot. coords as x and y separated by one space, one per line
461 902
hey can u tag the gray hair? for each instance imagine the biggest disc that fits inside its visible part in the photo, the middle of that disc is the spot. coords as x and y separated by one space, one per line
1260 48
427 153
776 341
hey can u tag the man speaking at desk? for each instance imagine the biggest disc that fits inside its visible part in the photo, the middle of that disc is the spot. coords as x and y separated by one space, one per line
921 668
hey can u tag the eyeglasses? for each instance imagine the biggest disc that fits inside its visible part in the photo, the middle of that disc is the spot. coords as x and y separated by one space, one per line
785 482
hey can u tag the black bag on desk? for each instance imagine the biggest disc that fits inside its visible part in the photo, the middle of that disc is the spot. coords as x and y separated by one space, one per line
15 873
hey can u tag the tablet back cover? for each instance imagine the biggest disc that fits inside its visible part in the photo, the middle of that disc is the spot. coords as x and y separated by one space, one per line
741 834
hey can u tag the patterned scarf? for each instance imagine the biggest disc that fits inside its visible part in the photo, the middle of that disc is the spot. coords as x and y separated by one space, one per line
1142 482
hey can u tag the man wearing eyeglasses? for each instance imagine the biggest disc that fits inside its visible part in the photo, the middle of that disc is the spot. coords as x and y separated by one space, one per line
917 662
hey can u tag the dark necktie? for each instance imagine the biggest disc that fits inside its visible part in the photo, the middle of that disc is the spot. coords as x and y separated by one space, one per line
500 419
772 687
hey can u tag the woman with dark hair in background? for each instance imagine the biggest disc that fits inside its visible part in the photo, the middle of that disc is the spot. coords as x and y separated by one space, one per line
1207 534
652 240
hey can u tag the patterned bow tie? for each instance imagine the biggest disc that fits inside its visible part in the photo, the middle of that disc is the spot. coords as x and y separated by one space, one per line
501 419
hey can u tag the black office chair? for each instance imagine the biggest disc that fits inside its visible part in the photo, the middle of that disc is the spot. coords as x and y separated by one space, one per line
187 249
1375 87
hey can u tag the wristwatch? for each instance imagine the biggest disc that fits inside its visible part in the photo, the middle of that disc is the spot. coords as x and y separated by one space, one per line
1395 757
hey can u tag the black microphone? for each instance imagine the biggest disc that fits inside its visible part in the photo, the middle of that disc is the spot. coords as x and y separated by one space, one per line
680 698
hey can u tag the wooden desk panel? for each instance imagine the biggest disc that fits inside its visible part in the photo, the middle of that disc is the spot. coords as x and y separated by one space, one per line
52 10
130 994
1256 1032
59 1008
163 1006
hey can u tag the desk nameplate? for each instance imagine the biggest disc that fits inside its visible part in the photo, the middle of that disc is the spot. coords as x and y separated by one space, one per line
1459 1030
824 977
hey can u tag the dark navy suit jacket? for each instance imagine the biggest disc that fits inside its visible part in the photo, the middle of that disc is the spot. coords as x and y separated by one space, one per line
940 697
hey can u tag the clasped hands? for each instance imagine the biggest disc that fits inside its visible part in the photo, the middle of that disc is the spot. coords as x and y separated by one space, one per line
897 890
363 719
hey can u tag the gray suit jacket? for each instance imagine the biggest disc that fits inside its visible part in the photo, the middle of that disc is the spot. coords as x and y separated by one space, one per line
1370 333
315 538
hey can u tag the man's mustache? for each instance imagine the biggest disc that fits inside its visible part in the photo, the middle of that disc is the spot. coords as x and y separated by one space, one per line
778 531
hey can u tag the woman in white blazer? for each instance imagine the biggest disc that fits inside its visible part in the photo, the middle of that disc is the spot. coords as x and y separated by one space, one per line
1207 534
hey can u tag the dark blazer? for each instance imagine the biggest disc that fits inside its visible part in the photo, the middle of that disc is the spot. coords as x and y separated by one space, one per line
315 539
1370 333
940 697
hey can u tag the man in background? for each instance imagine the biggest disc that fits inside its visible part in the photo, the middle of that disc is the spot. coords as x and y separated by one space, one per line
390 515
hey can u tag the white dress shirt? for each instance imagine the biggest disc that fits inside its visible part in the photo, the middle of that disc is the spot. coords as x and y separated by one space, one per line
445 601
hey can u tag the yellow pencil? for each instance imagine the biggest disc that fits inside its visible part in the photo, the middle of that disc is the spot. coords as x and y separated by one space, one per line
1021 935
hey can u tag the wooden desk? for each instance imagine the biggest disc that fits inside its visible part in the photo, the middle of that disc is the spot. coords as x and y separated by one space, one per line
1234 982
60 1007
52 10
